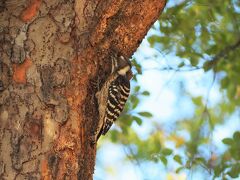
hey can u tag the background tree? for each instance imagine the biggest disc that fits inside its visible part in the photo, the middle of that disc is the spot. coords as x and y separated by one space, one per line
192 38
50 53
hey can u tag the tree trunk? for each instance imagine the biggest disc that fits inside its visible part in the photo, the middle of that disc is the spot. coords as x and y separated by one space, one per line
50 52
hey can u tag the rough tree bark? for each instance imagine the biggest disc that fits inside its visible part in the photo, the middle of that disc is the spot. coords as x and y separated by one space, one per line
50 51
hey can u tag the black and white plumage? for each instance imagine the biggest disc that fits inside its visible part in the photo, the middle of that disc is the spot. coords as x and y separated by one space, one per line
113 95
118 94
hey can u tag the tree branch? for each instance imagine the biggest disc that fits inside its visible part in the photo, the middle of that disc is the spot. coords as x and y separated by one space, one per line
224 53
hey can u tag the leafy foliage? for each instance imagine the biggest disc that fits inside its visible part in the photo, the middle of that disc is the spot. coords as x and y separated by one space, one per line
209 40
203 35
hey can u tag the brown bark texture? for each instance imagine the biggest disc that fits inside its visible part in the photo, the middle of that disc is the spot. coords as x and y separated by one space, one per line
50 52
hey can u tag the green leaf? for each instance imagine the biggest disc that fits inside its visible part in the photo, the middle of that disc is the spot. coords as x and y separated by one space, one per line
126 120
138 120
228 141
197 100
145 114
179 169
125 130
234 172
164 160
114 135
145 93
217 171
200 160
236 136
178 159
135 101
208 66
167 151
224 82
137 88
181 64
188 164
153 39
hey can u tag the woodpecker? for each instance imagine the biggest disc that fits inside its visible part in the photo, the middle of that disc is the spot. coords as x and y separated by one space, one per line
113 95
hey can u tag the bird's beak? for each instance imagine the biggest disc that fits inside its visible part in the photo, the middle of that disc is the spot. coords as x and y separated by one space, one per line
129 74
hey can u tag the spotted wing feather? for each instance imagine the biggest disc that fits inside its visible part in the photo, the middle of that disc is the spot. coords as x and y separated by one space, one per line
118 95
